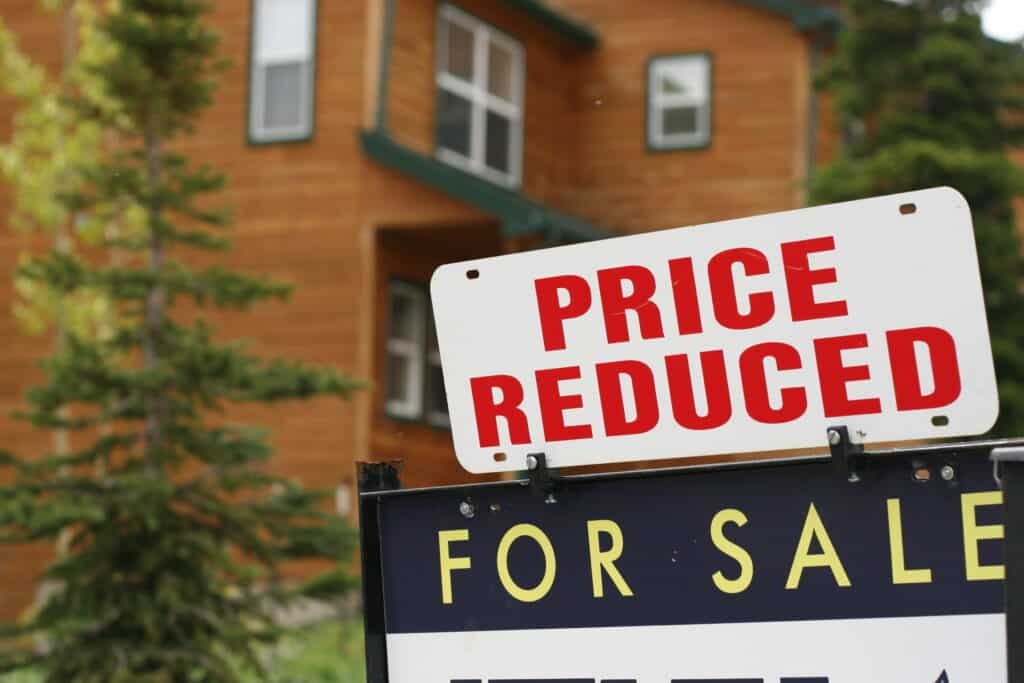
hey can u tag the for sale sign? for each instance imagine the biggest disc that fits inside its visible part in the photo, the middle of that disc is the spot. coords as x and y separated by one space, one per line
753 334
760 574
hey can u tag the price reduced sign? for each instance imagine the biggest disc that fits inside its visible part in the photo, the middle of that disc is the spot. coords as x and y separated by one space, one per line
746 335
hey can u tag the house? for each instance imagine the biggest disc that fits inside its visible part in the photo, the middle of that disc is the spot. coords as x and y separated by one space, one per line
369 141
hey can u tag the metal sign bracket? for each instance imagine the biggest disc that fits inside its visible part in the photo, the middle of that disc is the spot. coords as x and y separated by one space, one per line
848 457
543 480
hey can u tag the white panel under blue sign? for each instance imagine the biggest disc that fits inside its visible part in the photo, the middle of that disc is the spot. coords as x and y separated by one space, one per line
944 649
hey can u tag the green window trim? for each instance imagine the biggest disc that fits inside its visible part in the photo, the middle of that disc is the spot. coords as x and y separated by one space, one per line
804 14
577 32
384 67
518 215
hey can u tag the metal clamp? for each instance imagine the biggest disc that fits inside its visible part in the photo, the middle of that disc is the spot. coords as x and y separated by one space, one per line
378 476
848 457
1003 455
543 480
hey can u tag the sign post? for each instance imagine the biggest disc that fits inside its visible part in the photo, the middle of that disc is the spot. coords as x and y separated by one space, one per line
831 327
1009 468
770 572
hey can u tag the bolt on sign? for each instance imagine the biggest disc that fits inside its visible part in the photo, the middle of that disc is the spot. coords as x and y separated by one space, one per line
778 572
752 334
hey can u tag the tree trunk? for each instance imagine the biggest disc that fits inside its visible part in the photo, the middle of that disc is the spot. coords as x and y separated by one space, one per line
62 243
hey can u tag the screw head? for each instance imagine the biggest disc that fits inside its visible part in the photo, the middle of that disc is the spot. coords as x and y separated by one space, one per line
531 462
467 509
948 473
834 437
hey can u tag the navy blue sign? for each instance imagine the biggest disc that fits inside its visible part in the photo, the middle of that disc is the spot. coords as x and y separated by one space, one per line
772 543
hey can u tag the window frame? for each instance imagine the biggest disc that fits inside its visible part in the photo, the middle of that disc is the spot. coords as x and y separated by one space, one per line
432 358
421 353
655 104
481 100
256 105
414 351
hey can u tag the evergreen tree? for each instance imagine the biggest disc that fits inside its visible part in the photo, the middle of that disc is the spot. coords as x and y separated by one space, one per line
176 530
927 99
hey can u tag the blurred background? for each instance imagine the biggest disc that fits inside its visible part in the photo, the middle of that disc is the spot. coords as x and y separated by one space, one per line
366 142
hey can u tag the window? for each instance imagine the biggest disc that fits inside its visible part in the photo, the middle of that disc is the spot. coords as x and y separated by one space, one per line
480 97
436 409
679 102
281 87
415 385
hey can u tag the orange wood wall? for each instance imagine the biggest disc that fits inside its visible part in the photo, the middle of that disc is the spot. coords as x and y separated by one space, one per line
756 159
340 226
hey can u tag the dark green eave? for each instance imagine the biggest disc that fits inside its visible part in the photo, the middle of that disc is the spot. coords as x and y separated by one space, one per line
518 215
575 31
805 15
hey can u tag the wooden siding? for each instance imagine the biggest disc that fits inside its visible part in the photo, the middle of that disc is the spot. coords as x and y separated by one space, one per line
296 208
339 226
755 161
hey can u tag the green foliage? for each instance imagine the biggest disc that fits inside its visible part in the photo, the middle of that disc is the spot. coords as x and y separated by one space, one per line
327 653
330 652
52 145
928 100
175 530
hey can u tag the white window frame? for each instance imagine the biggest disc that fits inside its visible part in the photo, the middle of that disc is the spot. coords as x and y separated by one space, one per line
437 418
481 100
658 101
411 349
257 85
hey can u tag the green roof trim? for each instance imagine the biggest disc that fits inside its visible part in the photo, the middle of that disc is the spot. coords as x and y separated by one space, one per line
806 16
575 31
518 215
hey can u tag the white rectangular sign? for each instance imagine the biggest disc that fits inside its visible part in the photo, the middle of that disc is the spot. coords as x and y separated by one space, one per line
745 335
909 650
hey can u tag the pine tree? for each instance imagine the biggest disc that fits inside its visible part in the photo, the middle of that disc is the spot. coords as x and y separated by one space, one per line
177 531
927 99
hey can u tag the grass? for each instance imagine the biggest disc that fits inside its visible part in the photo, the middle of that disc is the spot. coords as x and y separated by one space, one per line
330 652
327 653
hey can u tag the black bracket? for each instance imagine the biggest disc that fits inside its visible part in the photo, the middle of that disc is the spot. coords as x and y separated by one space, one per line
374 477
1008 464
378 476
848 457
1001 456
543 480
